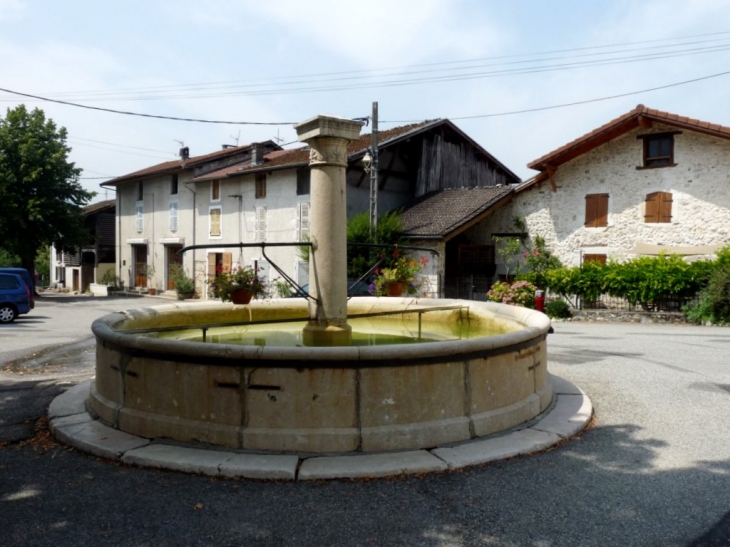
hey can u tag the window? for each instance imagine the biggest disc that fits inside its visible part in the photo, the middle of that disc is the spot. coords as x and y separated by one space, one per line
601 258
215 190
173 216
596 211
140 191
260 185
658 207
139 211
173 185
303 222
215 222
658 149
303 180
260 223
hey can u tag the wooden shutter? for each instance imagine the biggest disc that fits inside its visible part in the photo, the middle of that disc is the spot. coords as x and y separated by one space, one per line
173 216
303 222
227 262
139 220
215 222
211 265
594 258
658 207
260 185
596 210
260 223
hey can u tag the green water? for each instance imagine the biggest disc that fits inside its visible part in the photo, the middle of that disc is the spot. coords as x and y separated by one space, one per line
365 332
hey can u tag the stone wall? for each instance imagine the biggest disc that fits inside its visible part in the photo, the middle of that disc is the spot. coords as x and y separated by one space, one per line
699 183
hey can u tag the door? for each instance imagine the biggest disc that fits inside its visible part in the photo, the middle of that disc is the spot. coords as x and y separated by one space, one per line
174 261
140 265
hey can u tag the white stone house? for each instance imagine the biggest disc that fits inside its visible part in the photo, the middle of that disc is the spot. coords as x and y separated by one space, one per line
644 183
260 194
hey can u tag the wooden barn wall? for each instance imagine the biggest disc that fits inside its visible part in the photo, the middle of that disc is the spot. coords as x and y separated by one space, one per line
454 165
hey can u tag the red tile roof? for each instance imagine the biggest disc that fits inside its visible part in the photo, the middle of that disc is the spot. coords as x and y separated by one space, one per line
179 165
618 127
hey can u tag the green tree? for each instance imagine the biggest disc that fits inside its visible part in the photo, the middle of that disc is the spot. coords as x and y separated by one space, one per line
40 193
389 231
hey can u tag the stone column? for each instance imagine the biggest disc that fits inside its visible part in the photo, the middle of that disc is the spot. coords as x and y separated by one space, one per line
328 138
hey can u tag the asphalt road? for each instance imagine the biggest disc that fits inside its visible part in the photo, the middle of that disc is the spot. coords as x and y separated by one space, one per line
653 471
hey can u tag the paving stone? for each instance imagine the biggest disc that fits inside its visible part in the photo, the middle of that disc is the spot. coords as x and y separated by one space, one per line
98 439
71 402
524 441
178 458
259 466
563 387
569 416
370 465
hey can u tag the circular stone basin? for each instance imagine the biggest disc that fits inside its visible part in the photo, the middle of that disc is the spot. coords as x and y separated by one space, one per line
156 377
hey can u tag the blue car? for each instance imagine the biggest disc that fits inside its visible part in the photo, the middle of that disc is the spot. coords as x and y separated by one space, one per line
15 297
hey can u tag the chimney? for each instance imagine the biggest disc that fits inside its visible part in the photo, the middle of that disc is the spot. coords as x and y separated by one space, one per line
257 154
184 153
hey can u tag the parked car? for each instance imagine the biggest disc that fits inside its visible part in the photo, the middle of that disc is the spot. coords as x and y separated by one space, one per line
27 279
15 297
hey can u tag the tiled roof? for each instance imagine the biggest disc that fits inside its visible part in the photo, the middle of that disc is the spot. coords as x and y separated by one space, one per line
98 207
618 127
177 165
441 213
300 156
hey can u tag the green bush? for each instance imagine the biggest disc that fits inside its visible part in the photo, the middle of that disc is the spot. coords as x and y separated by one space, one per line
558 309
714 304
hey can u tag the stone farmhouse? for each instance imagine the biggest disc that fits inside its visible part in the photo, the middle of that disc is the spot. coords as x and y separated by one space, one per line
645 183
259 193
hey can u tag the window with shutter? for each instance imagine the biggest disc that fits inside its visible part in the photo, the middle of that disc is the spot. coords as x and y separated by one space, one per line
596 211
261 224
215 222
215 190
303 222
139 211
658 208
173 216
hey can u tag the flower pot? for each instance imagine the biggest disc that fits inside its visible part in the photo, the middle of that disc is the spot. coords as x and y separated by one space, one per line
184 295
241 296
152 291
395 288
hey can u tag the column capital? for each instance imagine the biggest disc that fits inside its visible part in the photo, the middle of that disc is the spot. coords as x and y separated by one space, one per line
328 126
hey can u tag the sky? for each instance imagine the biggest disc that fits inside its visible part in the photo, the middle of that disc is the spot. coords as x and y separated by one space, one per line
480 63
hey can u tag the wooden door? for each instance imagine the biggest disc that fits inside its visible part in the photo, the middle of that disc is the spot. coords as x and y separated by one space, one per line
174 261
140 265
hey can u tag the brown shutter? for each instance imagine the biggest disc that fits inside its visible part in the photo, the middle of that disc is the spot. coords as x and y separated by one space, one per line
227 261
651 214
665 207
596 210
594 258
211 265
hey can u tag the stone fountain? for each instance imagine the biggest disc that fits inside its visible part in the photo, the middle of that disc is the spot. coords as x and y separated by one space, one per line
325 396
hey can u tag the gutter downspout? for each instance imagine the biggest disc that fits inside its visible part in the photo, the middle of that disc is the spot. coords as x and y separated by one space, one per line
195 195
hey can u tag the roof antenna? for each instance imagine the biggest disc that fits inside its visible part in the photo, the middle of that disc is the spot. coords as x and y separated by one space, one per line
278 139
237 137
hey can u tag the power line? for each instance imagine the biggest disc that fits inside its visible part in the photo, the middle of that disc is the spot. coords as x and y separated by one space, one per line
374 72
575 103
73 137
159 117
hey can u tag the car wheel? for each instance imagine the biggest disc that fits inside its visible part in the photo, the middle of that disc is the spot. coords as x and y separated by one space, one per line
7 313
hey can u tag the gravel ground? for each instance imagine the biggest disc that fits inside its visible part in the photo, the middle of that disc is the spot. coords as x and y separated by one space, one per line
653 470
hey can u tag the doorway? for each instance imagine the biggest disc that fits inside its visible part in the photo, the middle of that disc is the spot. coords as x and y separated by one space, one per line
174 264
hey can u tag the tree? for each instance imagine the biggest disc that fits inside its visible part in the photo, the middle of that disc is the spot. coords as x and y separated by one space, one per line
40 192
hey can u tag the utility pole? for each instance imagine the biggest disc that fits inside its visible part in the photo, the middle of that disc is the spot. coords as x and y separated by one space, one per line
374 173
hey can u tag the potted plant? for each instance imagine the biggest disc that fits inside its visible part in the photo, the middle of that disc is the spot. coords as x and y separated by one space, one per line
184 284
239 285
399 277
